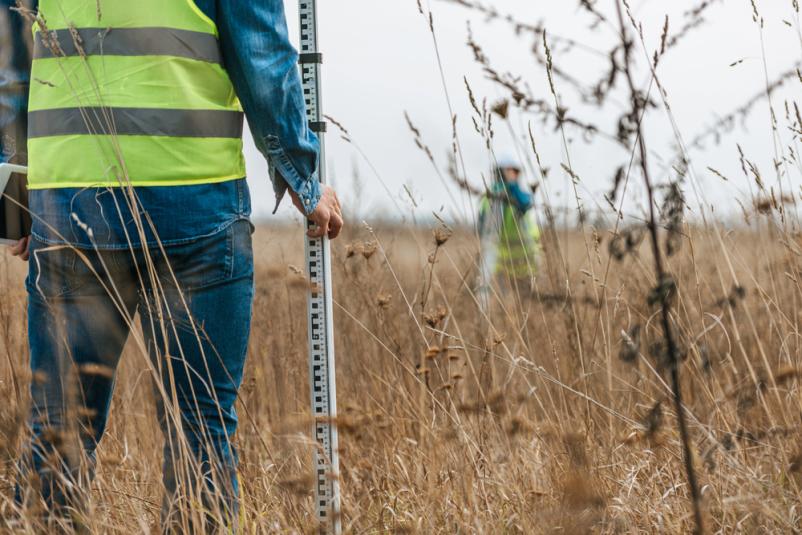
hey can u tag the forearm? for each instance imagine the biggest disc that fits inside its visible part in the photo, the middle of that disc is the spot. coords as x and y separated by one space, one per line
520 198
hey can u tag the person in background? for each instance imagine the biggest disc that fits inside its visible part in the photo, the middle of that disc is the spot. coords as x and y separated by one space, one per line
509 233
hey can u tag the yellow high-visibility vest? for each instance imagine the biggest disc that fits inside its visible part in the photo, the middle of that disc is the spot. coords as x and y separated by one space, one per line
515 236
130 93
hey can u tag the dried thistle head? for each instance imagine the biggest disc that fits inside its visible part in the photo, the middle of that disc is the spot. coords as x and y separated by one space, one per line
383 300
433 352
442 235
369 248
496 340
433 319
501 108
352 249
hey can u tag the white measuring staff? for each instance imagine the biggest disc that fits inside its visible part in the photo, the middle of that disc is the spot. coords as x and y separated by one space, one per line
321 328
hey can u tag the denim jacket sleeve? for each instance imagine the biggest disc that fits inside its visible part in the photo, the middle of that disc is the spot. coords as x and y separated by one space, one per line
14 75
263 66
520 198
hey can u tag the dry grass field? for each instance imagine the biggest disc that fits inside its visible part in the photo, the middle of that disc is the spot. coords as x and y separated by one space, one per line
542 416
649 380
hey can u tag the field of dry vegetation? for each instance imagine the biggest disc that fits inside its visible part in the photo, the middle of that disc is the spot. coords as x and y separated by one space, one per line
551 414
649 380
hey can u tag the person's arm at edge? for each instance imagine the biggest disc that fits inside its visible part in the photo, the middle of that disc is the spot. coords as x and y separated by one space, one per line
522 199
263 66
21 248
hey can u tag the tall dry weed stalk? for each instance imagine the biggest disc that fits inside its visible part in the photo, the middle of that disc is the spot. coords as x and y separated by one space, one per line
664 293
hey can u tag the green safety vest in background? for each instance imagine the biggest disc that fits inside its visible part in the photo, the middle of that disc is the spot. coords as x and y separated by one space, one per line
511 236
130 92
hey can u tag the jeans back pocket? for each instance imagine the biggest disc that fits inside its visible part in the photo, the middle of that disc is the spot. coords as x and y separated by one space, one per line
57 270
209 260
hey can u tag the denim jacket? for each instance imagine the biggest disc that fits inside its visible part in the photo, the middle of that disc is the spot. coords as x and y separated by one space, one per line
263 67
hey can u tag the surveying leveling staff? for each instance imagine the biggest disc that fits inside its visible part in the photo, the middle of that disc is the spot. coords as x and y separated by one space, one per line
169 79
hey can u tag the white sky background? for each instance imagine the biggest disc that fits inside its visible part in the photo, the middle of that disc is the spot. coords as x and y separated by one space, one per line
380 62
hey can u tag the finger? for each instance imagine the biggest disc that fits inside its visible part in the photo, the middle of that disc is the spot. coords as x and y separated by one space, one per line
321 229
19 247
27 253
335 226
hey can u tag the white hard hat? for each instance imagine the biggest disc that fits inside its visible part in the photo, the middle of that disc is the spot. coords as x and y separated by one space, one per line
508 161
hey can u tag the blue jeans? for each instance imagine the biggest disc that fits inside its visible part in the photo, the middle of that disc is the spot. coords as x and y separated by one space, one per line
195 304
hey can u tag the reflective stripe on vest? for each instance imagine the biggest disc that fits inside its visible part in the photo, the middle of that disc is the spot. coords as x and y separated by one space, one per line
134 122
127 42
130 93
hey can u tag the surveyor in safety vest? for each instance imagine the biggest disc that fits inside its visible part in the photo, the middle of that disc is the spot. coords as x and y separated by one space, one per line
509 234
137 186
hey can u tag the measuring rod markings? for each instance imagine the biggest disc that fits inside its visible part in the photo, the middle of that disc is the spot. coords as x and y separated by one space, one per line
321 340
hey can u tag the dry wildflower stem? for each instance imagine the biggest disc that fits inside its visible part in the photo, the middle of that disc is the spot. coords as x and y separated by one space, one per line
666 286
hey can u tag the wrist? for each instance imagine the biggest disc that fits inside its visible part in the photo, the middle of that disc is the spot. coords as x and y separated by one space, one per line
313 194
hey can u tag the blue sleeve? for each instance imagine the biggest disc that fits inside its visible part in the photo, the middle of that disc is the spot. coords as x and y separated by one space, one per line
15 72
520 198
263 66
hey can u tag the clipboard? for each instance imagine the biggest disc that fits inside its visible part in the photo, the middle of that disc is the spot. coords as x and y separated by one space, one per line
15 220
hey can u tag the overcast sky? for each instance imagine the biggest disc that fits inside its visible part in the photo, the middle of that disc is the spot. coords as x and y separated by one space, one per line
380 62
